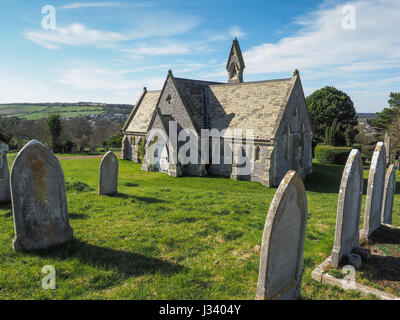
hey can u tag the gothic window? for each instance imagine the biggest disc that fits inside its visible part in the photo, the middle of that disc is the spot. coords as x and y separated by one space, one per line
295 112
257 153
287 142
169 99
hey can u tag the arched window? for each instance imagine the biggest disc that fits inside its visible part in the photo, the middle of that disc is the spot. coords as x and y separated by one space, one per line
257 153
287 142
296 112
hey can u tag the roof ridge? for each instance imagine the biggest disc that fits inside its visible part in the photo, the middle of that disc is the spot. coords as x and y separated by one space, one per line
252 82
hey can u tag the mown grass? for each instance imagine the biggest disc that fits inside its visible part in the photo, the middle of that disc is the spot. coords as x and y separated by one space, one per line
167 238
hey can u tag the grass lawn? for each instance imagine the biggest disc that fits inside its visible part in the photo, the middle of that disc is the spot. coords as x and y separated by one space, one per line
168 238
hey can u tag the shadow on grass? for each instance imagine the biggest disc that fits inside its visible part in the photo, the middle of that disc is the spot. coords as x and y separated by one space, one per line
383 268
385 235
127 263
6 206
326 179
74 216
136 198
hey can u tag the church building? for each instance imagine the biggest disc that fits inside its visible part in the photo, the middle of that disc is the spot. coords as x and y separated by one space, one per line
275 110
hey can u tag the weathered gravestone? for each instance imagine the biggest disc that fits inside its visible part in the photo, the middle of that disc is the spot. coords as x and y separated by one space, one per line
281 256
39 201
387 148
108 180
5 195
376 180
388 195
349 208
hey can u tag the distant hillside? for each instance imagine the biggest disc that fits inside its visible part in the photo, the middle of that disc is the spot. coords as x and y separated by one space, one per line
33 111
366 115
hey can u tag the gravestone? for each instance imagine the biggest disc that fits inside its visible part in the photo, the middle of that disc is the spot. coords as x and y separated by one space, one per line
349 208
108 180
281 256
376 180
388 195
5 195
387 148
38 199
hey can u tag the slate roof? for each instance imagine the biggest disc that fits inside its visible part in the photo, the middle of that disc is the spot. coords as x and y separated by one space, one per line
256 105
142 112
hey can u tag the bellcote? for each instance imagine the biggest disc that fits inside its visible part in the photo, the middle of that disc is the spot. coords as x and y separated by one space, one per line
235 64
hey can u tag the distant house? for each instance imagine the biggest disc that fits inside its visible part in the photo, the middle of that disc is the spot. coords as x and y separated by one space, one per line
274 109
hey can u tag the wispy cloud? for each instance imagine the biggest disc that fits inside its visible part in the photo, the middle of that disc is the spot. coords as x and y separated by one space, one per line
74 35
77 5
236 31
104 79
324 43
150 26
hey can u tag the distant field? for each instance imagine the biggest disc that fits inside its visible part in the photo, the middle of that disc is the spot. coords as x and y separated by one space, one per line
33 112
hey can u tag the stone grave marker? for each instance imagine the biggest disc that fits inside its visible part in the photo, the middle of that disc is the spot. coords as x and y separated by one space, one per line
281 257
5 195
376 180
39 201
108 180
349 208
388 195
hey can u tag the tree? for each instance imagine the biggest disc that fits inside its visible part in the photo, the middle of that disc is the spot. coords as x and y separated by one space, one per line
54 127
387 116
334 134
327 105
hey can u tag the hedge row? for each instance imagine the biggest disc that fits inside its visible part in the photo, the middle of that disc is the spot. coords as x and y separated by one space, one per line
331 155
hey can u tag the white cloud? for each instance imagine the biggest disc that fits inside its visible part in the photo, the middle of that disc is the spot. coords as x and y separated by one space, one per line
323 42
236 31
74 35
77 34
323 50
77 5
109 80
167 49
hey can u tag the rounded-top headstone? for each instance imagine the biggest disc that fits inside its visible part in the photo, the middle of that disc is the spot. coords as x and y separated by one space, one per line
108 179
349 208
282 246
376 180
5 195
38 199
388 195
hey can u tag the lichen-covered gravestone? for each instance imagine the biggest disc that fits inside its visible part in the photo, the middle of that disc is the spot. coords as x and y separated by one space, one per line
281 258
5 195
376 180
108 180
38 199
349 208
388 195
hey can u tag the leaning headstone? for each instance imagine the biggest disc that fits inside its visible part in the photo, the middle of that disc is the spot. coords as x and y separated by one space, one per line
387 148
376 180
108 180
349 208
39 200
388 195
281 256
5 195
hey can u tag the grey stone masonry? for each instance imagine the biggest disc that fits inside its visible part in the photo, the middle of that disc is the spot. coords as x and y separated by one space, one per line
376 180
388 195
349 208
5 195
108 179
281 256
39 201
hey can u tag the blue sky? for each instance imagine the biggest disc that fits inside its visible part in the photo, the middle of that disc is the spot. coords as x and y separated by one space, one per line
107 51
